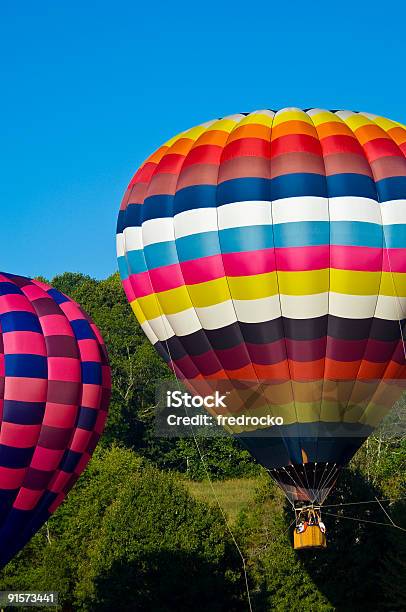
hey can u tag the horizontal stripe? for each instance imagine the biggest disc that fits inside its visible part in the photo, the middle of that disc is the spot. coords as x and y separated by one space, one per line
268 308
255 238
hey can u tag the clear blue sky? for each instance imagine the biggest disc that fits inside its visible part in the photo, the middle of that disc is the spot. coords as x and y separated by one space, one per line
90 88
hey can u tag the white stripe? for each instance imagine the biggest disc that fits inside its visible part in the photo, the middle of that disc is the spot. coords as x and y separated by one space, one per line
120 245
391 307
218 315
148 331
242 214
307 208
157 230
257 311
185 322
133 239
394 212
304 306
352 306
195 221
351 208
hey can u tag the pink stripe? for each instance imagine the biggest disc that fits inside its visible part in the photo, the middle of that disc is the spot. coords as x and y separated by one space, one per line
60 415
46 459
71 311
89 350
27 342
80 440
128 290
25 389
35 290
366 259
64 368
397 260
27 499
295 259
56 325
14 302
19 436
249 263
11 478
91 396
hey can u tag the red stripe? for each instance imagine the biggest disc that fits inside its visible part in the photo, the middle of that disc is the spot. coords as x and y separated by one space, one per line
247 147
294 143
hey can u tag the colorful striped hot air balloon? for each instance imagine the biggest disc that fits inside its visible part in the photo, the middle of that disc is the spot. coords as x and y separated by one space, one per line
270 247
54 394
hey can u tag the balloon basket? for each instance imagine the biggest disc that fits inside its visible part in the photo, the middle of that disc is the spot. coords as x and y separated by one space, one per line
309 531
311 538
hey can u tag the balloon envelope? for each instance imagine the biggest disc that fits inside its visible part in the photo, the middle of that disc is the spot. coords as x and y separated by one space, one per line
269 247
54 394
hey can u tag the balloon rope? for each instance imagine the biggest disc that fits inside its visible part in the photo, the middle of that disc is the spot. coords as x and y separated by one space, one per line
353 518
370 501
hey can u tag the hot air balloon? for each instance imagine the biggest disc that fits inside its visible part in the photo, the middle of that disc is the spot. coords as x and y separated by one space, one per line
266 251
54 395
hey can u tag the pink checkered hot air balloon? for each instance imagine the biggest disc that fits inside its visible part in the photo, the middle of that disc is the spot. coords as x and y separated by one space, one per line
54 395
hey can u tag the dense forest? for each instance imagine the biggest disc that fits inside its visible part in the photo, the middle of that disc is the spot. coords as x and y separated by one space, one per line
144 530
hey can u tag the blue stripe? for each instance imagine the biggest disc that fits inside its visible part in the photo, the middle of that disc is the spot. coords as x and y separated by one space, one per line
257 237
301 233
82 330
57 296
240 239
395 236
250 188
26 366
356 233
122 265
154 207
242 189
136 262
14 457
195 196
132 216
198 245
23 413
351 185
160 251
392 188
7 288
20 321
91 373
295 185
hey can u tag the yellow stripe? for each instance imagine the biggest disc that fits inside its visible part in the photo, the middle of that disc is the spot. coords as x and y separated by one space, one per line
257 118
253 287
356 121
138 312
308 282
291 115
226 125
259 286
325 117
209 293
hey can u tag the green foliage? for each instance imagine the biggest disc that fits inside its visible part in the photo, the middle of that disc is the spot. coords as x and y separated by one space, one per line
131 538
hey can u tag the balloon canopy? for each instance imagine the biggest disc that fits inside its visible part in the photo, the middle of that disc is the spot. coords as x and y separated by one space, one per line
54 394
268 249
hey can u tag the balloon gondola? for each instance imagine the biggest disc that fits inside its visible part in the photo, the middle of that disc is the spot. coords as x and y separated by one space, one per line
266 251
